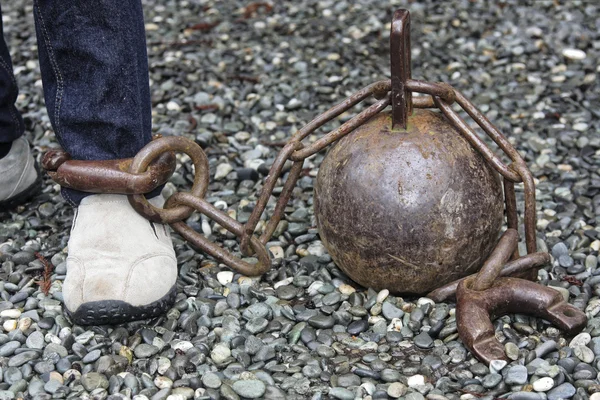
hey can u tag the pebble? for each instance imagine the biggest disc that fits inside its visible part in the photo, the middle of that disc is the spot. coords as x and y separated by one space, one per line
225 277
396 390
211 380
516 375
249 388
584 353
581 339
543 384
144 350
416 380
341 393
564 391
574 54
94 380
423 341
220 353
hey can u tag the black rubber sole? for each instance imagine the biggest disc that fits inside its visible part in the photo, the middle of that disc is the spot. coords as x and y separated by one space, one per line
111 312
25 195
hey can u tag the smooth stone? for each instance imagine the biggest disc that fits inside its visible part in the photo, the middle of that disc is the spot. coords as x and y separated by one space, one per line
220 353
545 348
12 375
415 380
322 321
564 391
35 340
423 341
390 311
491 380
516 375
581 339
511 350
91 356
256 325
348 380
94 380
396 390
211 380
144 350
341 393
543 384
358 326
9 348
22 358
249 388
390 375
497 365
574 54
225 277
584 353
526 396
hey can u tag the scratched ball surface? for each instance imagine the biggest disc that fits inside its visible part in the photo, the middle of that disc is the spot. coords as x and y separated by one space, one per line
407 210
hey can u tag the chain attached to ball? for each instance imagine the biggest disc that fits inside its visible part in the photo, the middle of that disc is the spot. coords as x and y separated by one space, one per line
409 200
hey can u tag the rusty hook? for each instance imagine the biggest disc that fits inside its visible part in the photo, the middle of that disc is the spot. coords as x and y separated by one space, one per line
475 311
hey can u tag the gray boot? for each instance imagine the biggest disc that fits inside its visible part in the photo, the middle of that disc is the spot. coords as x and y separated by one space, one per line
19 175
121 267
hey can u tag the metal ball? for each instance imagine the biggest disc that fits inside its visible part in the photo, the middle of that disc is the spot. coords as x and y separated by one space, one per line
407 210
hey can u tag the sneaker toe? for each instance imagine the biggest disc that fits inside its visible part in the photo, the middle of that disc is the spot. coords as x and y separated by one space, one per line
99 295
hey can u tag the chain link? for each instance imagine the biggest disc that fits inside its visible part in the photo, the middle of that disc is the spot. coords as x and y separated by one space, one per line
181 205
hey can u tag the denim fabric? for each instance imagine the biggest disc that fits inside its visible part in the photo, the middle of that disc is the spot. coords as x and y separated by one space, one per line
11 123
94 69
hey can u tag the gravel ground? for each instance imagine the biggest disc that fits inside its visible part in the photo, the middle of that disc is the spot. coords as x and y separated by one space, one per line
303 330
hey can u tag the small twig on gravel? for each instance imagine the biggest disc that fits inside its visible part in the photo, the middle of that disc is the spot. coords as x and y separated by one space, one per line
572 280
45 282
207 107
203 26
252 8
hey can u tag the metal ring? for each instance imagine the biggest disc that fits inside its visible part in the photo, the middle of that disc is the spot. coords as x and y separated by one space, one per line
266 192
492 267
218 252
435 89
199 187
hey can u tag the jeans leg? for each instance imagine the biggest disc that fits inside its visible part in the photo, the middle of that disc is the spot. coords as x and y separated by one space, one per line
11 123
94 68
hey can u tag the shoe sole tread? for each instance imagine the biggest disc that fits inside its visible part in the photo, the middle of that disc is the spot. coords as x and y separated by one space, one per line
110 312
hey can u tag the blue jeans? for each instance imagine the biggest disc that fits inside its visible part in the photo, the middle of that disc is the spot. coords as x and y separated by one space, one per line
94 70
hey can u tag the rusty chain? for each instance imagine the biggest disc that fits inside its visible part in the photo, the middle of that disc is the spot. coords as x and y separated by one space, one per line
152 166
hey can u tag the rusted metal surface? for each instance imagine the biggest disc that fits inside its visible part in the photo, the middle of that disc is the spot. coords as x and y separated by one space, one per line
432 188
233 226
340 132
409 200
407 210
510 201
523 264
107 176
476 310
401 97
493 265
201 178
435 89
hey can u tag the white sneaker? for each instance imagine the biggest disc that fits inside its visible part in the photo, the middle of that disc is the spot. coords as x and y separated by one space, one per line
121 267
19 175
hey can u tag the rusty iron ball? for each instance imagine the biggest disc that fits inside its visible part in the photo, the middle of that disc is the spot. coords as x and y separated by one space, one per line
408 209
